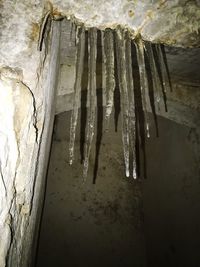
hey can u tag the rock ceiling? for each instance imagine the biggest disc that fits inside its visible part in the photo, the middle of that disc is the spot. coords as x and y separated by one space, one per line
174 22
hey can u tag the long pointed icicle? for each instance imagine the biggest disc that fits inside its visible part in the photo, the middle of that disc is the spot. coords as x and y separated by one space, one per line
154 72
132 122
103 62
92 54
163 72
143 81
77 90
110 72
121 68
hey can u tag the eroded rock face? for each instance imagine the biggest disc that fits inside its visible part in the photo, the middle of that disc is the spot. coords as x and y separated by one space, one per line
21 116
18 136
19 34
19 66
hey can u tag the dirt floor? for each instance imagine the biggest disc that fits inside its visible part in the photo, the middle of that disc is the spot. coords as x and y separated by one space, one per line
117 221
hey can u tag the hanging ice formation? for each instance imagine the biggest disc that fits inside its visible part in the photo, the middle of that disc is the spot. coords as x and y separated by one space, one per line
108 57
77 89
121 73
117 43
131 97
92 54
143 80
155 77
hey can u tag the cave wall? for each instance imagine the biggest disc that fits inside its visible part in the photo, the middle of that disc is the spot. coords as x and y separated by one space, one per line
18 82
171 199
27 83
119 221
25 142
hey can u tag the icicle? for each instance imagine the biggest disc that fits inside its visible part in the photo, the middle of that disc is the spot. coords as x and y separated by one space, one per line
132 122
92 54
77 90
154 72
121 68
103 62
110 72
76 30
143 81
163 72
162 65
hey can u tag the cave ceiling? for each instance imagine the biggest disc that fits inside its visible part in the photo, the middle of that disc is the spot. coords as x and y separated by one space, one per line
175 22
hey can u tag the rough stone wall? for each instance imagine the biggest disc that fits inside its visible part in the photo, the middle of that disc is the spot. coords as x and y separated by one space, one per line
19 131
26 95
18 136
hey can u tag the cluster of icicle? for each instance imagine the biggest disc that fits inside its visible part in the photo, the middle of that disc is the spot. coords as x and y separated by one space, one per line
120 40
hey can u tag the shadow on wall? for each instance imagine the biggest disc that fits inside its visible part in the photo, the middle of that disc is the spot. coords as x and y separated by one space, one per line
109 223
86 224
171 197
